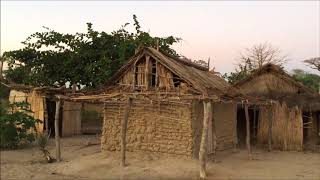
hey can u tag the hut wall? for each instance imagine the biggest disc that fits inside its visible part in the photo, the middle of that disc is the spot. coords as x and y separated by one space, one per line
36 102
91 118
287 127
197 124
158 127
315 128
224 117
71 121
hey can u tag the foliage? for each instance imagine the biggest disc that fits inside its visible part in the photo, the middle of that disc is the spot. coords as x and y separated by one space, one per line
52 58
309 80
16 125
4 92
240 73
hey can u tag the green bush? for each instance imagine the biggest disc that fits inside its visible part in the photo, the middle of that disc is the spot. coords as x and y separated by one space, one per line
16 125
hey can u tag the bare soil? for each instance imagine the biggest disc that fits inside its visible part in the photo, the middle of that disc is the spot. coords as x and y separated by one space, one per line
82 159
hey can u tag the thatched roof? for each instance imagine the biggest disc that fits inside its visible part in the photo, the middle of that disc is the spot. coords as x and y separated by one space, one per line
277 71
44 89
199 77
303 97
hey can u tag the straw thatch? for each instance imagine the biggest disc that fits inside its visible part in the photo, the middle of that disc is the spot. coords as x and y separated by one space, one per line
271 80
198 77
287 127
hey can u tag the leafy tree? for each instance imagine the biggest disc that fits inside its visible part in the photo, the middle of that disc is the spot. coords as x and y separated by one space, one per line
52 58
309 80
16 126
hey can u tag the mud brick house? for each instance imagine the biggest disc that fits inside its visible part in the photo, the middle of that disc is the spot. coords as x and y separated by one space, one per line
166 113
294 113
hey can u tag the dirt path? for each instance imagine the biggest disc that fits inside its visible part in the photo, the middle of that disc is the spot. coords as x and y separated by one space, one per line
83 161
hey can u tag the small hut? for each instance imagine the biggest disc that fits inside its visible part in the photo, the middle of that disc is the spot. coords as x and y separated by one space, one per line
42 102
294 114
166 97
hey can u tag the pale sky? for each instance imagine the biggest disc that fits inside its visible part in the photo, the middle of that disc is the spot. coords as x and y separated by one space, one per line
219 30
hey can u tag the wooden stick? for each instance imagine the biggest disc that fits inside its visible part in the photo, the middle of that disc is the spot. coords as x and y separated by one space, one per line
248 131
46 116
146 75
214 137
1 67
254 125
270 117
56 129
202 151
124 132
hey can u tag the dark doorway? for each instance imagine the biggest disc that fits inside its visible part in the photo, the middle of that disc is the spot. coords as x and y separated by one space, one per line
307 126
241 126
51 110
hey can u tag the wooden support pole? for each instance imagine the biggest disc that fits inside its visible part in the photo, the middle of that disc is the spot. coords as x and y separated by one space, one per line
270 118
124 124
248 131
147 72
56 129
202 152
254 125
74 88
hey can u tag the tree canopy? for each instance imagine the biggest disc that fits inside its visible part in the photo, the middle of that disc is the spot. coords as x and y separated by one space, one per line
313 63
253 58
308 79
51 58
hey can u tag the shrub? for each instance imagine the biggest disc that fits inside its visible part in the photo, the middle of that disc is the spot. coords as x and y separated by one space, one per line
16 125
42 140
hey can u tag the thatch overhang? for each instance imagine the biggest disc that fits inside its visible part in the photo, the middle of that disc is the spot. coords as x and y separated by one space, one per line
45 90
199 77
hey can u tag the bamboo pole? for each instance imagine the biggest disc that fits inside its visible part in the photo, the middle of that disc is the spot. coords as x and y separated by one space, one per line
248 132
270 117
124 132
202 152
56 128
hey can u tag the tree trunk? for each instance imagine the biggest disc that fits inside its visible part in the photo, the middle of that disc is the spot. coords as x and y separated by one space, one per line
56 128
270 129
202 152
1 67
124 124
74 88
248 131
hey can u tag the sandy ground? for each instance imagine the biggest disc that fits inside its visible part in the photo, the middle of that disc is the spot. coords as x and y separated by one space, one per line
82 160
